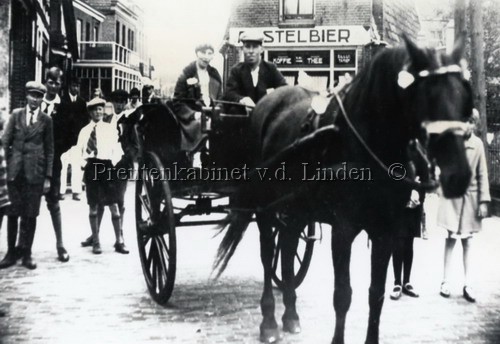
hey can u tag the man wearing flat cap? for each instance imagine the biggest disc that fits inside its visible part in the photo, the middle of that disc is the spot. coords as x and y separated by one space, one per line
29 148
253 78
100 152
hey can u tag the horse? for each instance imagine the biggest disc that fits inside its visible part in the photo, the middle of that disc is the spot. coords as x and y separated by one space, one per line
404 93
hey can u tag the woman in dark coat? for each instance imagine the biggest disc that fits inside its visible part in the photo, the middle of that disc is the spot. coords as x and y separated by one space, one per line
198 85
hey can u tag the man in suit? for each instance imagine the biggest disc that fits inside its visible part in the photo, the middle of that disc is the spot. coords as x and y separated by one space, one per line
62 123
29 148
253 78
74 107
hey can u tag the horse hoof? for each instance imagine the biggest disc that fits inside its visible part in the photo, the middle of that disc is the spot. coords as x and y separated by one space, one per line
291 326
270 335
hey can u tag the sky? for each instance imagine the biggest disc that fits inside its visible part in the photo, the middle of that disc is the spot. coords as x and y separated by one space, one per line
174 27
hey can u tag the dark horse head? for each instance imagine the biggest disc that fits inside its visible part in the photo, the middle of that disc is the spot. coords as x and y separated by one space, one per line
440 99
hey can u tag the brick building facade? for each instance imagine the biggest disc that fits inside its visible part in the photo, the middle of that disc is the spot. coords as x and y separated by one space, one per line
34 35
324 38
111 43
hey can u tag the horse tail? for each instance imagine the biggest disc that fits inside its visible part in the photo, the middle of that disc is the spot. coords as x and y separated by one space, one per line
237 222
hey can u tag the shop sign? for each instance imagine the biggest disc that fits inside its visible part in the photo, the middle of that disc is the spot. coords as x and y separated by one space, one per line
317 36
314 58
345 58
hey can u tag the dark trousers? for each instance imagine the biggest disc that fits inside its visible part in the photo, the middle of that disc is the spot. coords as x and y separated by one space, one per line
402 259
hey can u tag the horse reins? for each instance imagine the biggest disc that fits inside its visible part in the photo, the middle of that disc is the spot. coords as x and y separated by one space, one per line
432 127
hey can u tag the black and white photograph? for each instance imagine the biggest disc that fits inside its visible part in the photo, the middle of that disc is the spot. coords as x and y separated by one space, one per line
249 171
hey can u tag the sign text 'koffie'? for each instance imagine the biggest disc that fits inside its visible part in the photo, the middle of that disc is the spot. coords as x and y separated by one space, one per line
300 58
317 36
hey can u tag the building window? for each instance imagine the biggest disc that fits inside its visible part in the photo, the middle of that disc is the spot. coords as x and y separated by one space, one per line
96 33
79 30
117 38
298 9
87 32
124 36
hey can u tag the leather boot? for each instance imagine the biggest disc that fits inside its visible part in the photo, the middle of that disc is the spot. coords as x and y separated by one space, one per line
28 226
11 257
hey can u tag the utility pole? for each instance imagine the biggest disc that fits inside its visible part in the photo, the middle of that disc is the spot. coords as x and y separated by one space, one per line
459 18
477 62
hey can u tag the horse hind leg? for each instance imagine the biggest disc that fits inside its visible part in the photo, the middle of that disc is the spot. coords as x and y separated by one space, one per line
381 254
269 332
289 238
342 238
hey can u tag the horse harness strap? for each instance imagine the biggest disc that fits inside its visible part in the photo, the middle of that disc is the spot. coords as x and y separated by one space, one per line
414 184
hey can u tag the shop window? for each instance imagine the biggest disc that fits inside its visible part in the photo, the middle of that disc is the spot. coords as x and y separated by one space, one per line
298 9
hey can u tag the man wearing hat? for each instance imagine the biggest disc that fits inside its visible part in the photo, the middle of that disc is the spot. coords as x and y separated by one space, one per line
118 120
29 148
253 78
100 152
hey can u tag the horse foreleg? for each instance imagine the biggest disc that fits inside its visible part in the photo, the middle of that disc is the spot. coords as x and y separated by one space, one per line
289 238
342 239
381 254
269 332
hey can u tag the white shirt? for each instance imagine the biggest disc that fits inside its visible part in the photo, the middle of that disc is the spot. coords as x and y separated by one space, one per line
108 147
72 97
255 76
204 82
48 105
28 115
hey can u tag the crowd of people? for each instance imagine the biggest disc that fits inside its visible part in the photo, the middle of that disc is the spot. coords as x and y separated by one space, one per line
54 131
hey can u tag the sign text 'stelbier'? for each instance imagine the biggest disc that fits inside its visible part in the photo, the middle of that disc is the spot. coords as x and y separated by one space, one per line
317 36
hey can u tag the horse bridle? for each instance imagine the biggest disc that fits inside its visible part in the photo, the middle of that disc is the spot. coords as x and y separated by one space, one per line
440 127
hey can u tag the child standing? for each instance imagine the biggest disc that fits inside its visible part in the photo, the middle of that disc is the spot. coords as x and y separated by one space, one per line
100 151
461 217
29 147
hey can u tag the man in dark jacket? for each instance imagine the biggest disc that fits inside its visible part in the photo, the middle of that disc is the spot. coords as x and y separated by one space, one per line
252 79
198 85
51 105
74 108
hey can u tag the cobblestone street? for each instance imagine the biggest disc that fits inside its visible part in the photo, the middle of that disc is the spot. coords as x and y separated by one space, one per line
103 299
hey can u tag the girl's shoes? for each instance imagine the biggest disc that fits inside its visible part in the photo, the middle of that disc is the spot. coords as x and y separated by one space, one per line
396 292
408 290
445 290
469 294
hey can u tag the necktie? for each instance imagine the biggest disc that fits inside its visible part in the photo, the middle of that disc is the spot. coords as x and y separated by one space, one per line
92 143
32 117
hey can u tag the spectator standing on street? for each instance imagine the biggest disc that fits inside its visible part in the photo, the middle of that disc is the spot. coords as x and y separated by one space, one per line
75 107
100 151
198 85
134 103
148 95
409 227
4 195
29 147
62 129
461 217
253 78
115 110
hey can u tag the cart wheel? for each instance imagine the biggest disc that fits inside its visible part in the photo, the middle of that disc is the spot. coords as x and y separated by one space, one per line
155 223
302 256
